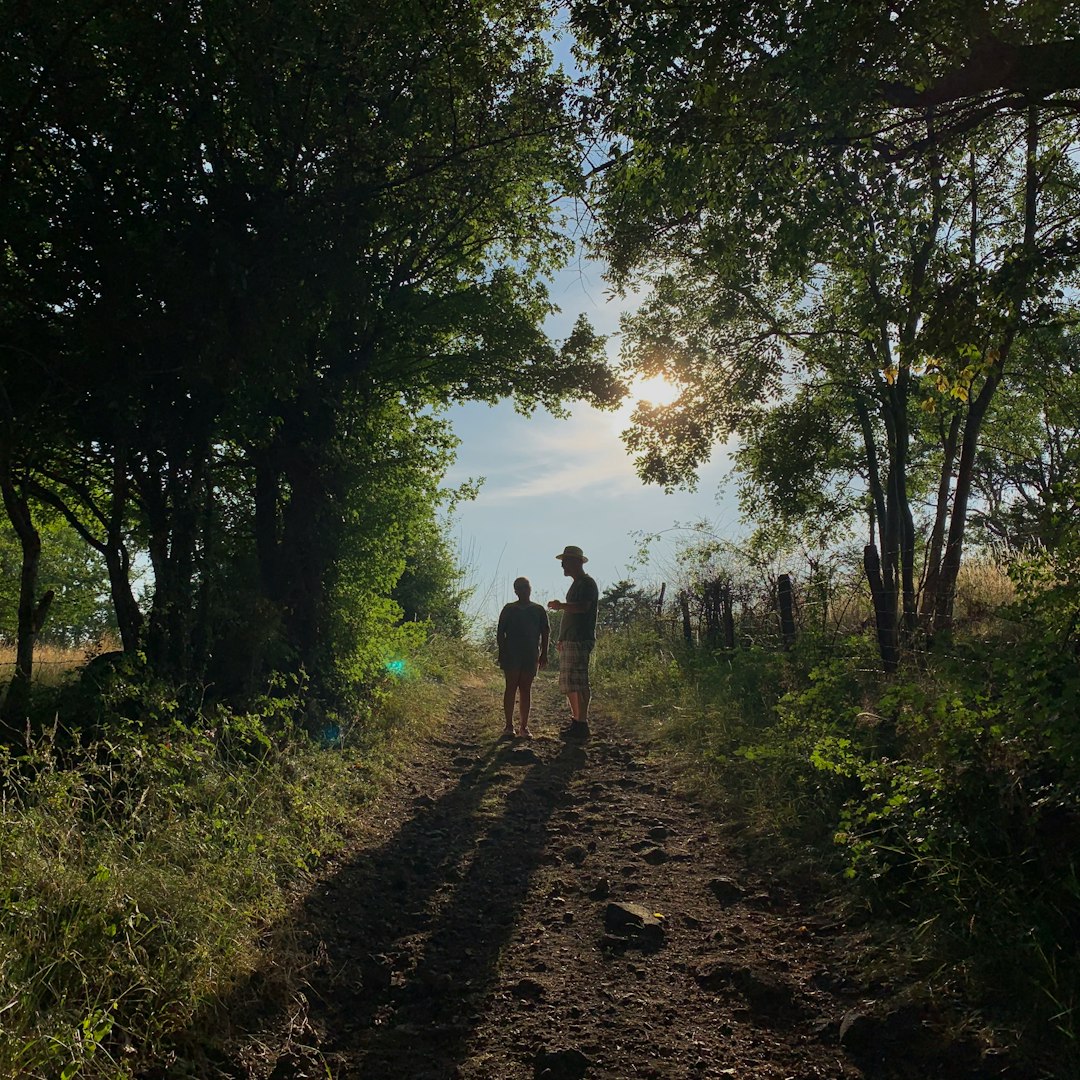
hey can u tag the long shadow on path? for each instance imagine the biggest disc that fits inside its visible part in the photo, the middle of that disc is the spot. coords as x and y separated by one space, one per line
409 935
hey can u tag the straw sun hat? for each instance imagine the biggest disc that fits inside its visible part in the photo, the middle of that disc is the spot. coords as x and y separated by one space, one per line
572 551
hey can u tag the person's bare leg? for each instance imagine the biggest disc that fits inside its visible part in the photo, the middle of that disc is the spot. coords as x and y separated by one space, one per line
579 705
525 704
508 701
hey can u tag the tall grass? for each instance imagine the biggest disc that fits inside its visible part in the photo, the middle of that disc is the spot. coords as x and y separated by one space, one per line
722 714
53 664
141 869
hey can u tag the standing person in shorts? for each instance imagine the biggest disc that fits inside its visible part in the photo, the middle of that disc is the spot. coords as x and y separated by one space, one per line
576 638
523 644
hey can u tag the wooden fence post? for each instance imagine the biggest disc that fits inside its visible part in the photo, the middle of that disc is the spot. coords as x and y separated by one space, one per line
684 607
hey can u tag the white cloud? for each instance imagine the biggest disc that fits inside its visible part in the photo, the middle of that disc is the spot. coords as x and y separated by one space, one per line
567 457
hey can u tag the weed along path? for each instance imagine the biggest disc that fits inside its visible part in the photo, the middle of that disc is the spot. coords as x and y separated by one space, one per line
553 909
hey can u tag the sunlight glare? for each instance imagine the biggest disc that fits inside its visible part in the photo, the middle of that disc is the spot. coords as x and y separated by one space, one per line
656 390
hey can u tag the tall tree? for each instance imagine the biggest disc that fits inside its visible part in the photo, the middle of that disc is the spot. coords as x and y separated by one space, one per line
801 226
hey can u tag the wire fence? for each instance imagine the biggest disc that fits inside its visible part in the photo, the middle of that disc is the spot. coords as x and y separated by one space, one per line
720 617
45 663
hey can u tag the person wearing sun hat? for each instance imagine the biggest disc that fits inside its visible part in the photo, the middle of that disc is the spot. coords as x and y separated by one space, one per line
577 635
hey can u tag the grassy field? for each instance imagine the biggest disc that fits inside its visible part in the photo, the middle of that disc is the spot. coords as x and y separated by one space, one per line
53 663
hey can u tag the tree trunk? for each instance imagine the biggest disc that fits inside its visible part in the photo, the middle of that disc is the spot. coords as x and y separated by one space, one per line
941 516
151 481
268 523
310 526
32 612
187 484
950 562
786 600
909 595
727 606
712 611
205 601
889 501
884 610
169 491
896 566
305 556
129 619
873 474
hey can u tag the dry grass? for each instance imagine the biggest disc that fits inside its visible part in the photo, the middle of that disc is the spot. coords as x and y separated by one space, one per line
54 663
983 588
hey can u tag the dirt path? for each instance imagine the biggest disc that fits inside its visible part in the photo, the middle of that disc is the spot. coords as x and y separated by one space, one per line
545 908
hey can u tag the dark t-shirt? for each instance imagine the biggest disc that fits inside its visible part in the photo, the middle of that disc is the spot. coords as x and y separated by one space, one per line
580 626
520 629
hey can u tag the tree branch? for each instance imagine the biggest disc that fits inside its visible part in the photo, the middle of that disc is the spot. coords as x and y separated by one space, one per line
994 66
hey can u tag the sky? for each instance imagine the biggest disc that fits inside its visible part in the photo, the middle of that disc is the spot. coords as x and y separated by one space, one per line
550 482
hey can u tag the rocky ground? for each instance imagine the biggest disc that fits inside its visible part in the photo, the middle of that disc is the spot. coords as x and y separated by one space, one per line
556 909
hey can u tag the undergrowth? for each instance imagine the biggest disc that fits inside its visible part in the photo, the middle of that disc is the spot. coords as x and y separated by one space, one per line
142 866
944 798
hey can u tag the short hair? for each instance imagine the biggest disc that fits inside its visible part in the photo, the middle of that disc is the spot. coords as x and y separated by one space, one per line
522 584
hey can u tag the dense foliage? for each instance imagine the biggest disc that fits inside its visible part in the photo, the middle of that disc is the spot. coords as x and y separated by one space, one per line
246 249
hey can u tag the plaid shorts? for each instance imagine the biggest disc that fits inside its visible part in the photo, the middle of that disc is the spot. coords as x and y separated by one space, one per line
574 666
